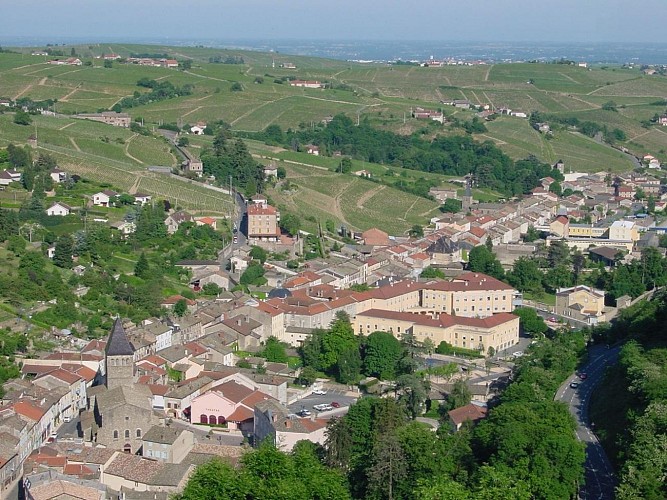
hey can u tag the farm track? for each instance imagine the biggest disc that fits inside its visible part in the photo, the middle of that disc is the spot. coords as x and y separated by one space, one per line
369 194
76 146
127 152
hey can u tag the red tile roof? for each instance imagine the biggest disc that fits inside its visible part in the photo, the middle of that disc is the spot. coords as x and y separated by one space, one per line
29 410
259 209
468 412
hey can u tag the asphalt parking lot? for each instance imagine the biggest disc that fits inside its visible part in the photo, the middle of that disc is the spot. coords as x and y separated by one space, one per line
332 395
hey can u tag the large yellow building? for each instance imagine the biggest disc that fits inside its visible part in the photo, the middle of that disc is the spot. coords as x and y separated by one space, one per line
581 303
498 332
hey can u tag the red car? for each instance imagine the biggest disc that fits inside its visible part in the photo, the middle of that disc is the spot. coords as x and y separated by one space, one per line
335 405
583 376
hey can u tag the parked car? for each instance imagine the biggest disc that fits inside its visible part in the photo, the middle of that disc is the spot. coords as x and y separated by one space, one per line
236 239
319 392
574 385
304 413
583 376
67 419
517 354
320 407
335 404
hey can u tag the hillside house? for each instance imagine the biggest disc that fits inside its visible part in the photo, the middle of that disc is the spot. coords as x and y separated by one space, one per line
174 220
57 175
142 199
59 210
270 171
104 198
197 129
311 149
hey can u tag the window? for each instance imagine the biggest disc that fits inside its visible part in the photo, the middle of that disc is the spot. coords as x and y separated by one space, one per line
139 430
127 433
115 434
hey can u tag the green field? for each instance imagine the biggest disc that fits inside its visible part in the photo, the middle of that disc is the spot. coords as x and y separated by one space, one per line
121 162
382 92
347 199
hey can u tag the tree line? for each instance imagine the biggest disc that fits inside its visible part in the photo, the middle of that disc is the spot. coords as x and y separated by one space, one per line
450 155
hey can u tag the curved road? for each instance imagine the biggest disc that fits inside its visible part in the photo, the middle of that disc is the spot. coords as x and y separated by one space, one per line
600 480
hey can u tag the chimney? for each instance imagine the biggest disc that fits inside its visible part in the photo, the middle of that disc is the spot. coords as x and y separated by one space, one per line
238 322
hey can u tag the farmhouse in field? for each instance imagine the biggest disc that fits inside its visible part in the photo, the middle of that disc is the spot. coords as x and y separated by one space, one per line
308 84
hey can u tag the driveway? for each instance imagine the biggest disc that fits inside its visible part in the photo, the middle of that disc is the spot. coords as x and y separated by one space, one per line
600 480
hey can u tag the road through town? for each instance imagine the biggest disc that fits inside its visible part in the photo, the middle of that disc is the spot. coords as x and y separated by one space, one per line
600 480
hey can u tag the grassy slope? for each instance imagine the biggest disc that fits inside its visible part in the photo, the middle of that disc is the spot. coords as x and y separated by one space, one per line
383 93
121 162
350 200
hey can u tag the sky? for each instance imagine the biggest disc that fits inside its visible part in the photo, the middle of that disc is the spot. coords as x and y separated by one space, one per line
443 20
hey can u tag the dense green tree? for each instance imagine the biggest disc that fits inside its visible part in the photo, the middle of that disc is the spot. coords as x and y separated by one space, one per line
142 268
432 272
413 392
253 275
482 260
62 256
258 253
274 351
459 396
22 118
180 308
531 235
531 322
416 231
348 366
382 352
526 275
558 277
556 188
451 205
558 254
290 223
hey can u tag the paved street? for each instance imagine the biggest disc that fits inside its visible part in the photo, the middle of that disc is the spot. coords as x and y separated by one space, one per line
600 480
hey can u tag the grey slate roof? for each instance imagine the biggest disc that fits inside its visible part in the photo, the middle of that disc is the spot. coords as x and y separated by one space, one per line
118 344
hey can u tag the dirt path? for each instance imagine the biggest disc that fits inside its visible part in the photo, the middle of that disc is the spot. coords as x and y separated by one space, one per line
64 98
569 78
488 72
248 113
207 77
191 111
405 215
43 81
76 146
127 153
135 186
368 195
25 89
65 126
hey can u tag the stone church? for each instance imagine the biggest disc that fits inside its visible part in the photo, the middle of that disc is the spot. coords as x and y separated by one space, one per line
122 411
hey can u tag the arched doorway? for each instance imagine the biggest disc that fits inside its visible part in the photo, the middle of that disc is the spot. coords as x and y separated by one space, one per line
203 419
127 448
212 420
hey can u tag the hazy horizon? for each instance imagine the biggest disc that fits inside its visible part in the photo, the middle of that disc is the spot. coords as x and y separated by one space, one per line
564 21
